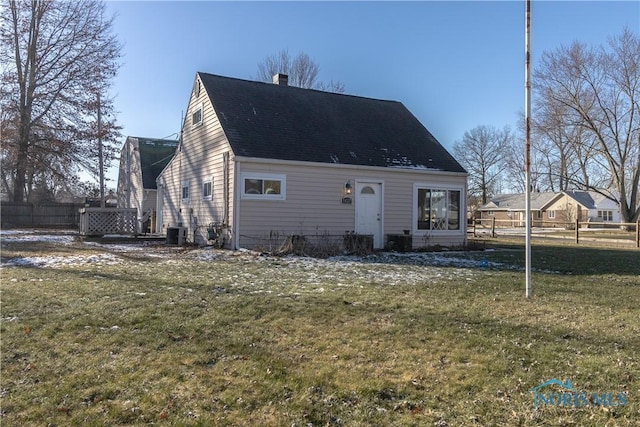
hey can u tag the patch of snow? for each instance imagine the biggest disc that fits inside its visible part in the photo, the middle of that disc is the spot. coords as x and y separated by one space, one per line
116 248
19 236
60 261
417 167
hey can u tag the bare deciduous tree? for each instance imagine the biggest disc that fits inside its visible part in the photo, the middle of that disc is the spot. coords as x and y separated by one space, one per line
514 173
568 152
301 69
57 57
598 90
482 152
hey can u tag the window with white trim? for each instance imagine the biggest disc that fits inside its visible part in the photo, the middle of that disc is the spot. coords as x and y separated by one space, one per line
605 215
263 186
551 214
207 189
196 116
185 190
438 208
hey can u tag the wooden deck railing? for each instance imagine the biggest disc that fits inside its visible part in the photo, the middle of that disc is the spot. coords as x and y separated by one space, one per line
101 221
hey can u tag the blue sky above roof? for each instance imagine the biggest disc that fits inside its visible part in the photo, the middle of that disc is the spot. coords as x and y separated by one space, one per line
455 65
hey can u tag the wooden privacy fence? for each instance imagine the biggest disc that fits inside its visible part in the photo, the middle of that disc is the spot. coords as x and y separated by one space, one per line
626 231
101 221
24 214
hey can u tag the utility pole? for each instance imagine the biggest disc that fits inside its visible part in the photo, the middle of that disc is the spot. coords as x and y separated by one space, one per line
527 157
100 155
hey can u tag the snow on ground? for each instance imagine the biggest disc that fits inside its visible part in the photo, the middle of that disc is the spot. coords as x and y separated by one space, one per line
26 236
283 276
59 261
461 266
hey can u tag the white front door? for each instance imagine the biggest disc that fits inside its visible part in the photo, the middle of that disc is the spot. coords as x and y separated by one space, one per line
369 210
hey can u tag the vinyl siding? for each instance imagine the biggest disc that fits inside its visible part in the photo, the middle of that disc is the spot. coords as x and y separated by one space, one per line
606 205
313 204
149 201
130 188
314 191
566 211
200 158
131 192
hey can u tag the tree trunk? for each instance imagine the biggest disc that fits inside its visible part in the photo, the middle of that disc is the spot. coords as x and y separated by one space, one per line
20 178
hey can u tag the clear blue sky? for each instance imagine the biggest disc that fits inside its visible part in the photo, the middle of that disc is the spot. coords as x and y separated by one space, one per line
454 64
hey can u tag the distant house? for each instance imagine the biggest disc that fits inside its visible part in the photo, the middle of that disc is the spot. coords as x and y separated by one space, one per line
265 161
586 206
509 209
141 161
549 208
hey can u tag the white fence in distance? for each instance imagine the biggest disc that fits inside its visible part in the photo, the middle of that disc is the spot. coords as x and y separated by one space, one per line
628 233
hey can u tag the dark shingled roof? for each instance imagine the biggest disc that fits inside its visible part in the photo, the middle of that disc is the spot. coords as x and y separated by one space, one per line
585 198
154 156
266 120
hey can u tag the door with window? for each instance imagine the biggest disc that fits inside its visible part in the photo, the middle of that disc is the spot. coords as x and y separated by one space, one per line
369 210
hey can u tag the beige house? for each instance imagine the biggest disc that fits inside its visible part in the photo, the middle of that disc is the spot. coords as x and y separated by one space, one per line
261 161
585 206
141 161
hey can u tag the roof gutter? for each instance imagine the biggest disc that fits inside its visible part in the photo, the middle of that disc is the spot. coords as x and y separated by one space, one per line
345 166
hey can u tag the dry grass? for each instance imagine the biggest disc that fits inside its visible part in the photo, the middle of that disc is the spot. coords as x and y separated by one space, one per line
244 340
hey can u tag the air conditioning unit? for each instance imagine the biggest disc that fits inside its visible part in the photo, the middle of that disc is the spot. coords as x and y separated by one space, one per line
176 235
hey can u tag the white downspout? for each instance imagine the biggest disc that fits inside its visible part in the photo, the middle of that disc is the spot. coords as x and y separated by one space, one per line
237 187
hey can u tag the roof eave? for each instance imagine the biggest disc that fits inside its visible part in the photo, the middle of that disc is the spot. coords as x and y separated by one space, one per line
346 166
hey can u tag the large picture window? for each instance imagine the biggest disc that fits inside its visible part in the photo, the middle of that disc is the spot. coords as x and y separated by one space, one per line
264 186
438 209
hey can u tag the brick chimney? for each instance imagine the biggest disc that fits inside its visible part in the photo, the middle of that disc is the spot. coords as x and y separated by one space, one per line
281 79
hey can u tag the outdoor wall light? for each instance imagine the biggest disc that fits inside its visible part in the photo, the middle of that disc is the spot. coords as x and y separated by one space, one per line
347 187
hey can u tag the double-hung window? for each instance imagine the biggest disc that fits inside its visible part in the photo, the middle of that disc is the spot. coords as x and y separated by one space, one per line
264 186
605 215
438 209
185 190
196 116
207 189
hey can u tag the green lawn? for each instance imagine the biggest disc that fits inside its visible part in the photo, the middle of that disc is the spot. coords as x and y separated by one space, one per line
178 339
